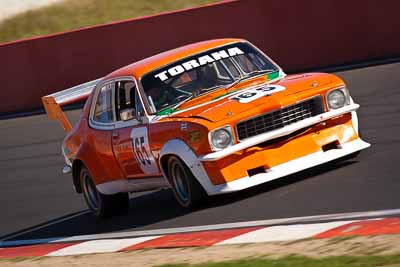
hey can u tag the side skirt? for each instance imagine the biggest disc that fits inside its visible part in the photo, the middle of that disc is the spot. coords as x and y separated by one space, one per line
132 185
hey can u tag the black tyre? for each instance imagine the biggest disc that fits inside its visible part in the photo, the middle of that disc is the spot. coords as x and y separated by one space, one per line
102 205
187 190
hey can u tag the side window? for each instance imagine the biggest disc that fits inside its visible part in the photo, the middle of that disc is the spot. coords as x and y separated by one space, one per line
127 101
125 96
103 111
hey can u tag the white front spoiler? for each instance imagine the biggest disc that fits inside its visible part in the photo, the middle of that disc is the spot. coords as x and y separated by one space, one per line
252 141
289 167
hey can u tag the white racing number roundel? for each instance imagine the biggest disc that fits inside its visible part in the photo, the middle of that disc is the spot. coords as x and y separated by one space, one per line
253 94
142 152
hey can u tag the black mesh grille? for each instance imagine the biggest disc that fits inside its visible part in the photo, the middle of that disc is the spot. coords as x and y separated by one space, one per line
279 118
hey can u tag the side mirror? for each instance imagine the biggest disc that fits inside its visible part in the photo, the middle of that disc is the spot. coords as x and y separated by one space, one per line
128 114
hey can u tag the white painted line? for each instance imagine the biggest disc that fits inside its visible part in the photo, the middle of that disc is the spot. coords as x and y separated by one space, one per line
283 233
295 220
129 234
100 246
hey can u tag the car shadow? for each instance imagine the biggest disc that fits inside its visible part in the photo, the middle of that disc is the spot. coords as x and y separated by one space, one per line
156 207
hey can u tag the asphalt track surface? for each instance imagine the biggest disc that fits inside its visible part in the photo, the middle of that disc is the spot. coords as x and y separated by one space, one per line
34 192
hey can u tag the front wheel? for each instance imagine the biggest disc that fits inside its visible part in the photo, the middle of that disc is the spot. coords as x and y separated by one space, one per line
187 190
102 205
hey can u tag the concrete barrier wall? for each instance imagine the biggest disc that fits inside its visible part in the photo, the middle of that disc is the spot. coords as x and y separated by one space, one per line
298 35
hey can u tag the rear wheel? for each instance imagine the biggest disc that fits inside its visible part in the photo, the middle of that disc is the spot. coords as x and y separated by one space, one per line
102 205
187 190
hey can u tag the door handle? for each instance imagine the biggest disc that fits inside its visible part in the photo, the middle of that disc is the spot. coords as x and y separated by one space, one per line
115 134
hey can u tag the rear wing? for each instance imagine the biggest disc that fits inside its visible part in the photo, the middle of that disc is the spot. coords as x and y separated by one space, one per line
52 103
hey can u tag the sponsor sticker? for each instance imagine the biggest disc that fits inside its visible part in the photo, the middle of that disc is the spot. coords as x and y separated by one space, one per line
194 136
184 126
200 61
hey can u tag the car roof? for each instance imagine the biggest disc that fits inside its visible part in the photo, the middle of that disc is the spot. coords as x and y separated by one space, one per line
146 65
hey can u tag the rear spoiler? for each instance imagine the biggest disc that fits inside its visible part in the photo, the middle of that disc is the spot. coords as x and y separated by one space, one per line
52 103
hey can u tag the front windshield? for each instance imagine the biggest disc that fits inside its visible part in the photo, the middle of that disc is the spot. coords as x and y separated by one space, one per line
176 83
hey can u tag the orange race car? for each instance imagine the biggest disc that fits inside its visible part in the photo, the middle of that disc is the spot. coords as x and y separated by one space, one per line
204 119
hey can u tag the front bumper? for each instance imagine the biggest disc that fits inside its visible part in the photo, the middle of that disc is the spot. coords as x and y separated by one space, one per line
331 135
288 168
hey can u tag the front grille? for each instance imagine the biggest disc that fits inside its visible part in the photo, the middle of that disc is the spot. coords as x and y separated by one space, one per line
280 118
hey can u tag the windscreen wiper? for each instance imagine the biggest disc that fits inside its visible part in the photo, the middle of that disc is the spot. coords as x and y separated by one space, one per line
211 88
193 95
248 75
173 107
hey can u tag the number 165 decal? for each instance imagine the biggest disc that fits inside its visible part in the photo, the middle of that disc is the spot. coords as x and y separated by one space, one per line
142 152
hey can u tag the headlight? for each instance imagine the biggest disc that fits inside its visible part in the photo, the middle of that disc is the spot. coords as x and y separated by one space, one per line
337 98
221 138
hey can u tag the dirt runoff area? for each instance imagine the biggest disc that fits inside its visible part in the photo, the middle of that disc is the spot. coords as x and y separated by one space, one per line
350 246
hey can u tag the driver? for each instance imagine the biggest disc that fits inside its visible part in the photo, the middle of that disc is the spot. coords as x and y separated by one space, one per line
208 76
160 97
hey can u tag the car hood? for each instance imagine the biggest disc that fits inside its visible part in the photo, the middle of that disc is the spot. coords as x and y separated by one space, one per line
253 100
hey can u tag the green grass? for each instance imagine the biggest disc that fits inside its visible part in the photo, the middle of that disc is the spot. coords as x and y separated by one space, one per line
75 14
340 261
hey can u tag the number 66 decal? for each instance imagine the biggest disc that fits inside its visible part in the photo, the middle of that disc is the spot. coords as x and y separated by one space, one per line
142 152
